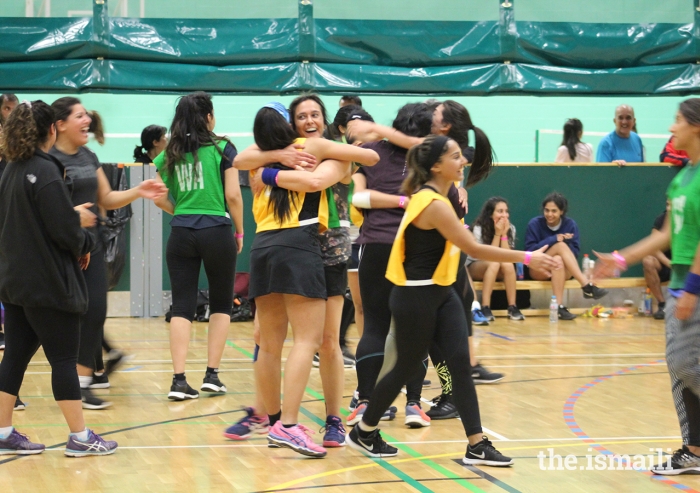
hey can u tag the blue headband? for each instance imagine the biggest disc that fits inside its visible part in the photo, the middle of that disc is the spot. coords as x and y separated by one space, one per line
279 108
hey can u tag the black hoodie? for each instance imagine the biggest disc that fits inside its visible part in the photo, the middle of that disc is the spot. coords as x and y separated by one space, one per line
41 238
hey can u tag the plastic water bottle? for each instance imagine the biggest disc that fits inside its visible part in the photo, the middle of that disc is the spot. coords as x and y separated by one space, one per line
553 310
647 303
586 267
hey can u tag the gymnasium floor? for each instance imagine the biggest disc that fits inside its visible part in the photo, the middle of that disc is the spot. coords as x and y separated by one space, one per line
585 389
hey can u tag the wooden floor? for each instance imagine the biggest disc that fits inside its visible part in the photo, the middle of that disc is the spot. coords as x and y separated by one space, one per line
584 389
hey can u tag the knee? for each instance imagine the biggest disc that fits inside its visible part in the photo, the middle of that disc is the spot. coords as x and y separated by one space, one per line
649 263
329 343
507 268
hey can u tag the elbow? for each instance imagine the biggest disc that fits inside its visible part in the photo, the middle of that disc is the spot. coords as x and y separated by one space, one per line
316 185
372 159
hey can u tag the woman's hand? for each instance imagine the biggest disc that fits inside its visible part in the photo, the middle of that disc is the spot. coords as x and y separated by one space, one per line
84 261
87 218
256 183
605 266
542 262
293 157
152 189
564 236
239 245
501 226
463 199
686 306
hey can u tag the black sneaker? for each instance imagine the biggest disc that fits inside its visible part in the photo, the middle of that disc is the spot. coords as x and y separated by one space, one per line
443 408
99 381
180 391
591 291
317 361
212 383
514 313
373 445
482 375
485 454
565 314
427 383
2 340
91 401
660 313
347 353
115 359
683 461
487 313
19 405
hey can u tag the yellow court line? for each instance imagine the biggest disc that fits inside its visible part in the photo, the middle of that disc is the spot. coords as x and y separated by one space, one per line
325 474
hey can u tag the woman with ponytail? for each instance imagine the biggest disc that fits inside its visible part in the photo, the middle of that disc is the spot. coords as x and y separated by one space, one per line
572 150
425 308
154 139
41 284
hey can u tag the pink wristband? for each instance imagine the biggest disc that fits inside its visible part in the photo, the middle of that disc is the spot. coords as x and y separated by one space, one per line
620 260
504 238
402 202
238 235
528 257
466 226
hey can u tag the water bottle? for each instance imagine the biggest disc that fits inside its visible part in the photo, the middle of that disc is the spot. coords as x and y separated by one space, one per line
553 310
647 303
586 267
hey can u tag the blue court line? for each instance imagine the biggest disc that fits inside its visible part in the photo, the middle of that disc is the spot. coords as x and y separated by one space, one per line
500 336
133 368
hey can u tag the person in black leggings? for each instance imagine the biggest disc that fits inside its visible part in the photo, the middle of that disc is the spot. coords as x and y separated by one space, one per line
41 284
425 307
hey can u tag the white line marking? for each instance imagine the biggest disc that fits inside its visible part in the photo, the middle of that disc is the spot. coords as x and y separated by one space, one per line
602 134
493 433
575 355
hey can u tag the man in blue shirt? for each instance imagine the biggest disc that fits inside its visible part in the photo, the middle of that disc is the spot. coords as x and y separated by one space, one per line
623 145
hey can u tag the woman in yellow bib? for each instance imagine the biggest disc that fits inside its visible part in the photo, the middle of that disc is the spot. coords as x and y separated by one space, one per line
425 307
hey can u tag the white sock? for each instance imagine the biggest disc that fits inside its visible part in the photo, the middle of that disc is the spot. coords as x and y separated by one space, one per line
365 427
99 374
82 435
476 305
85 381
6 432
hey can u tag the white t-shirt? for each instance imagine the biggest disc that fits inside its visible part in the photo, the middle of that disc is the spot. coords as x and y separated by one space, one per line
476 230
584 154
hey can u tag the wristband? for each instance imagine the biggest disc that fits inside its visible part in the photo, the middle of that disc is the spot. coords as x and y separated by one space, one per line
269 176
528 257
620 260
238 235
402 202
692 284
504 238
466 226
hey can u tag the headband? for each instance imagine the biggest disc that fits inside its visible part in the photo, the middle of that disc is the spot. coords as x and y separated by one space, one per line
279 108
436 149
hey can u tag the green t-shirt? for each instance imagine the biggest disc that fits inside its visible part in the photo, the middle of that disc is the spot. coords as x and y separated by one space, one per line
196 189
684 195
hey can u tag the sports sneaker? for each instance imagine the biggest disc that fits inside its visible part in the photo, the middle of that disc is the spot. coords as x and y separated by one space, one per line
427 383
115 359
296 438
443 408
19 405
334 432
683 461
99 381
180 391
564 313
91 401
353 401
591 291
94 445
372 445
660 314
317 361
211 383
485 454
356 416
481 375
249 424
2 340
348 362
514 313
478 317
488 315
415 417
18 444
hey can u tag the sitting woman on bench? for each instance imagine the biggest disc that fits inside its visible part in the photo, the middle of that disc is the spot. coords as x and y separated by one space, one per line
553 228
493 227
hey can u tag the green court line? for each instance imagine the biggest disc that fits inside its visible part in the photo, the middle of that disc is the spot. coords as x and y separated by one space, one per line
239 349
405 448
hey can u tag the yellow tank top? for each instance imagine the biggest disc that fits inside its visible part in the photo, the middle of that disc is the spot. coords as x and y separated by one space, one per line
446 271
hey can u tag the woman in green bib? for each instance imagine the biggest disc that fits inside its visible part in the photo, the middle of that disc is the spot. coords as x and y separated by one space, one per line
681 231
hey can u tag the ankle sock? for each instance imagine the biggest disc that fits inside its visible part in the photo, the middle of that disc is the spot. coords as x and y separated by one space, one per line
82 435
364 429
84 381
180 377
6 432
99 373
476 305
212 370
288 426
274 418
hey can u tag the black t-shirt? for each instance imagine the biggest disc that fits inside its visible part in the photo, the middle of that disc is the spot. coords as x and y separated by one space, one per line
658 224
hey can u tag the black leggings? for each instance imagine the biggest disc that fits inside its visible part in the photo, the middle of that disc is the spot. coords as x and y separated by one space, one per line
187 249
28 328
375 289
424 314
92 323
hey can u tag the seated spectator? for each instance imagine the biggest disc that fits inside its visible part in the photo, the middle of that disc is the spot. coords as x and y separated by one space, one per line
671 155
622 145
560 233
572 150
493 227
657 268
350 99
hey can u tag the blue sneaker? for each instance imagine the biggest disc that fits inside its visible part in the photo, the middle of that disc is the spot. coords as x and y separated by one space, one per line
354 401
356 416
335 432
18 444
478 317
415 417
249 424
94 445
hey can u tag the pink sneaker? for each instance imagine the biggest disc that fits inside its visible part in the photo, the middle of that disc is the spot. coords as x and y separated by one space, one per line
296 438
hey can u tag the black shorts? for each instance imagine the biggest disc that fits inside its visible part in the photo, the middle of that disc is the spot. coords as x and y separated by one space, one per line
354 260
336 279
286 270
664 274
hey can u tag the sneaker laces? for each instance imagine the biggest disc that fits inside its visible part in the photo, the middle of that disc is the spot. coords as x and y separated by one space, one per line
21 435
306 430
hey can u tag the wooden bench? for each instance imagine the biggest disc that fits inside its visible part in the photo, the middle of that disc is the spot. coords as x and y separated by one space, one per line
620 282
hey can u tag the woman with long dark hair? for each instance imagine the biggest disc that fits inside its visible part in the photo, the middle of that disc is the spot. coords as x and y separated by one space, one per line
154 138
572 150
197 167
41 284
425 307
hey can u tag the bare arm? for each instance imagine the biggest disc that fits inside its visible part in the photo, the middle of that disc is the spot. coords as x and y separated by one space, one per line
389 133
291 156
164 201
234 200
110 199
328 149
326 174
378 200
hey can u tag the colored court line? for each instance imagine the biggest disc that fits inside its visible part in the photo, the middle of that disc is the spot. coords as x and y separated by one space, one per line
500 336
239 349
570 420
488 477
